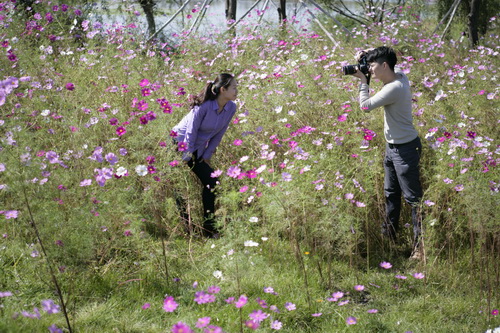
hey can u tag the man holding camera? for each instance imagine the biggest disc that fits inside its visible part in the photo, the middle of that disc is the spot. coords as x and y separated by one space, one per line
403 146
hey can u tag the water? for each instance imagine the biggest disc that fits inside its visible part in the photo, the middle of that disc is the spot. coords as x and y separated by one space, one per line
214 18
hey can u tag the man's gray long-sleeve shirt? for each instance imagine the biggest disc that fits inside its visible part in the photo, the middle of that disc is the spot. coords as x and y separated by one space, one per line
395 97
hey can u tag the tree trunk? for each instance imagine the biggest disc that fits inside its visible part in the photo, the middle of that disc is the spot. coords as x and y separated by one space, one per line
282 11
475 5
231 10
148 6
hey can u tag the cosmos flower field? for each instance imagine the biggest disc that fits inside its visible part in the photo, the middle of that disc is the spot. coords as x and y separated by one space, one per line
90 234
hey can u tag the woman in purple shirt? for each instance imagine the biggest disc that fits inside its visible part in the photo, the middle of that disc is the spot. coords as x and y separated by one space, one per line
200 132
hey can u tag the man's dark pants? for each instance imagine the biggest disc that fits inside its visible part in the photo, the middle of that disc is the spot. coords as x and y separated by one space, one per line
402 177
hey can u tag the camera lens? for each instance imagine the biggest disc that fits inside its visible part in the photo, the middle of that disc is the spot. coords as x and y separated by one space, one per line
349 69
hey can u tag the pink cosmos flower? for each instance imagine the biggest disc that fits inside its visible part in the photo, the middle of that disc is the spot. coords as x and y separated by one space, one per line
216 173
142 105
242 301
182 146
338 294
351 320
11 214
146 306
86 182
213 289
276 325
50 307
202 297
342 118
418 276
181 327
385 265
258 315
169 304
251 173
233 171
359 287
70 86
203 322
252 324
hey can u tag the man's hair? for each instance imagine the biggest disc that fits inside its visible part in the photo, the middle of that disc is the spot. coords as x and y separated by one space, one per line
382 54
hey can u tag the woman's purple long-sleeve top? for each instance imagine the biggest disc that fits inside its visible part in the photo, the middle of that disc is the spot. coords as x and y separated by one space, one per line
203 128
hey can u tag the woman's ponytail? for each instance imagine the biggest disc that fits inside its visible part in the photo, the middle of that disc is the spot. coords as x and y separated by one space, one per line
212 89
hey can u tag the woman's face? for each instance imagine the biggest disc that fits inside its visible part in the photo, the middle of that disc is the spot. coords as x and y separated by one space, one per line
230 92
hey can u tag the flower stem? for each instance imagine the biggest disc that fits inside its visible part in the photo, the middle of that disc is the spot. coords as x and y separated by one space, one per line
49 265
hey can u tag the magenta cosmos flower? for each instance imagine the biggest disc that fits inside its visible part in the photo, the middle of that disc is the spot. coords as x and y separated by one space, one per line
181 327
120 131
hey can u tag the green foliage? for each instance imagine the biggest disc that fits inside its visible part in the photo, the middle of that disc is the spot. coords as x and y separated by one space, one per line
487 10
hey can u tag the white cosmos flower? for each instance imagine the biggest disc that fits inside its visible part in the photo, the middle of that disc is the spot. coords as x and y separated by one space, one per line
121 171
250 243
218 275
254 219
261 168
141 170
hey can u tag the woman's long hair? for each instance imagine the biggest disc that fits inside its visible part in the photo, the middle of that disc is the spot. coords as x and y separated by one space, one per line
212 89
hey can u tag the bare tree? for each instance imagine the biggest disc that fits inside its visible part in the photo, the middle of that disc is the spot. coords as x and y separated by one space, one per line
475 6
148 7
230 10
475 13
363 11
282 11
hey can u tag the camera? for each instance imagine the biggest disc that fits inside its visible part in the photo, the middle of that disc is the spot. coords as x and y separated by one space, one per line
362 66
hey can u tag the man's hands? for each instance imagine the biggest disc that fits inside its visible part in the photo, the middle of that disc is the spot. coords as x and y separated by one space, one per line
358 56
